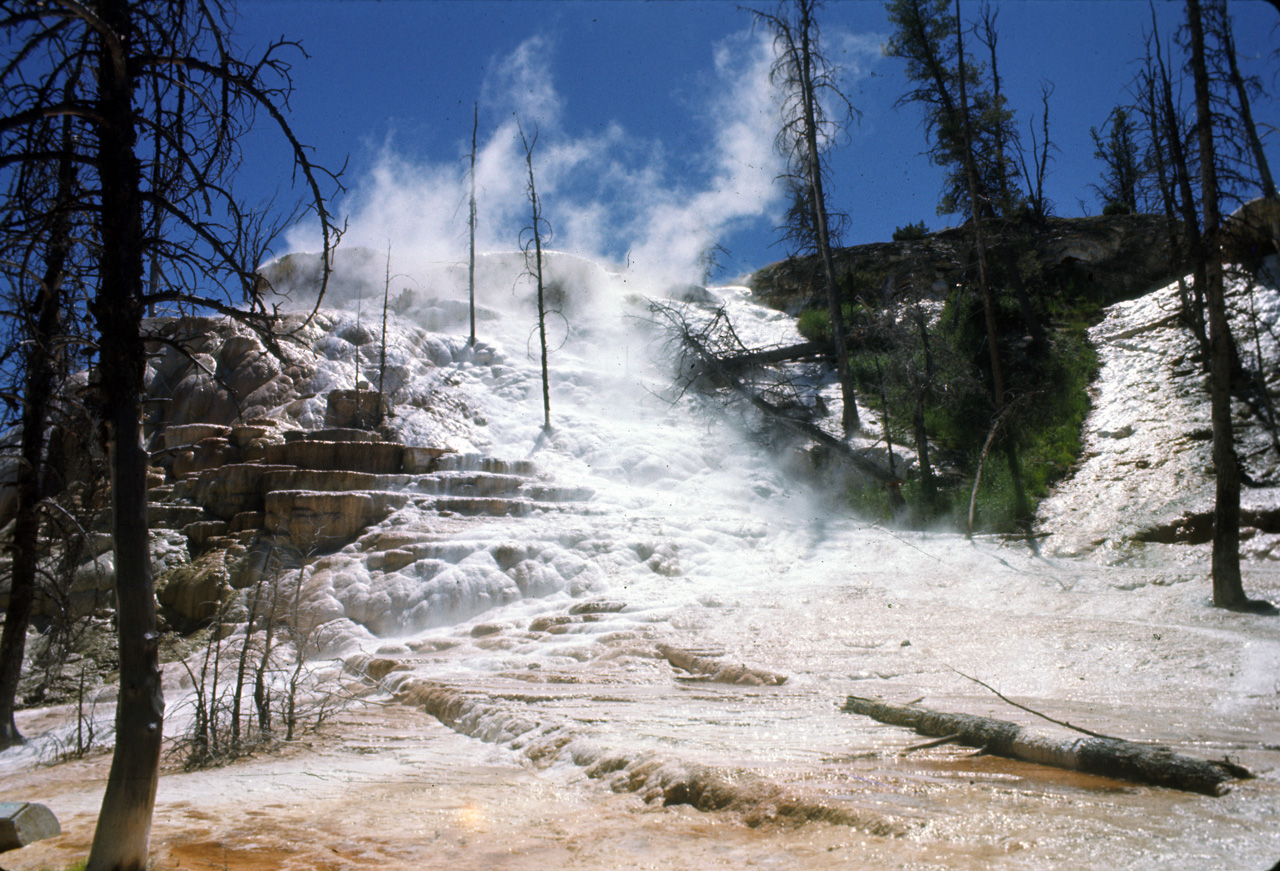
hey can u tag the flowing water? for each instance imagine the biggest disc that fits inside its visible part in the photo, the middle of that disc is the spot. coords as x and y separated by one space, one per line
537 589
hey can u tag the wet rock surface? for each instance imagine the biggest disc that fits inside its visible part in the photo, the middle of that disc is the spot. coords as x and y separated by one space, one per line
1146 474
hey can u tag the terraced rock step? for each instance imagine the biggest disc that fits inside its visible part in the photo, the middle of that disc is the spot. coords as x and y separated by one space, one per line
334 434
317 520
320 489
170 515
470 484
331 480
659 779
479 506
481 463
379 458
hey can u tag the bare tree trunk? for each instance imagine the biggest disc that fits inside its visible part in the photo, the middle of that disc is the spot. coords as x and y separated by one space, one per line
1193 311
849 415
37 395
471 270
989 36
1228 587
382 348
1246 114
988 296
120 841
535 229
928 486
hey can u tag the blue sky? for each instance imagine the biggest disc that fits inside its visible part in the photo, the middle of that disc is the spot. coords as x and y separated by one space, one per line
655 119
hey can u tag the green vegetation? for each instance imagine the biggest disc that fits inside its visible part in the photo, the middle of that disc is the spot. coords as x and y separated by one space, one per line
911 232
934 353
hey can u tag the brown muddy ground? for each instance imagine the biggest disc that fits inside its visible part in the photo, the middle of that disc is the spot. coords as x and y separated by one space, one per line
390 788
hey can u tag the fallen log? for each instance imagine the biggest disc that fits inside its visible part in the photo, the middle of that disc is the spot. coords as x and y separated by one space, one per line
1109 757
786 354
715 671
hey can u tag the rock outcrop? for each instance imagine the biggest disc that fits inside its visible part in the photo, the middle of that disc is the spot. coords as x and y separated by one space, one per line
1106 258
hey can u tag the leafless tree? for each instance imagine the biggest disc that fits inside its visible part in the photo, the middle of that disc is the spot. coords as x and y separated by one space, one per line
163 101
1035 172
41 265
471 224
531 243
808 81
1228 586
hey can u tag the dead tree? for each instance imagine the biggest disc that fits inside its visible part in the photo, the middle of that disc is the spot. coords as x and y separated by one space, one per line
1228 586
41 264
1090 753
158 72
1034 174
471 224
531 243
700 351
806 76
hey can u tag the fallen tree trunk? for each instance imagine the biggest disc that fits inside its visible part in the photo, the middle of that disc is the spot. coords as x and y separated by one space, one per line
785 354
715 671
1109 757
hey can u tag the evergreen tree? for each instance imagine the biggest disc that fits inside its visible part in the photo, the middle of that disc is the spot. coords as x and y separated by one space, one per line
1124 167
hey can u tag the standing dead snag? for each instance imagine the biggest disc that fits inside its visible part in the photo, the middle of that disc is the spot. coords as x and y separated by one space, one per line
806 76
471 223
163 73
1108 757
532 245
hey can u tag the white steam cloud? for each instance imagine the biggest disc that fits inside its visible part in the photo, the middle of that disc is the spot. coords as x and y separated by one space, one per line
608 196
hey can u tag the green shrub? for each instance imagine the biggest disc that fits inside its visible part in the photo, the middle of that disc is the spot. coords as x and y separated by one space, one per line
815 325
911 232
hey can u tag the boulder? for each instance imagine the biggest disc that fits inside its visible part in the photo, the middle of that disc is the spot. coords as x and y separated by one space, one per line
194 594
421 460
201 532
